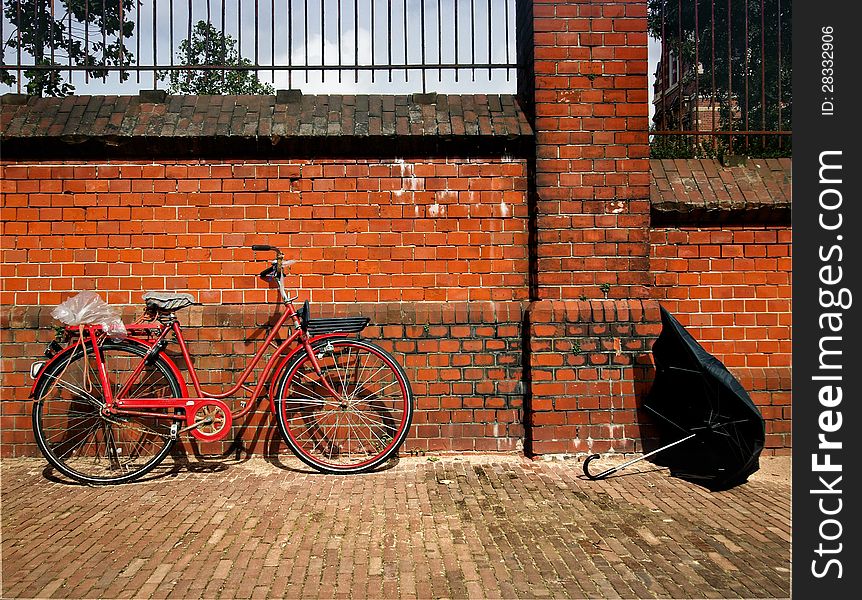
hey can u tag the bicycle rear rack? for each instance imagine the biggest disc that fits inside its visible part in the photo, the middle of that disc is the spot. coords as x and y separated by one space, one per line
337 325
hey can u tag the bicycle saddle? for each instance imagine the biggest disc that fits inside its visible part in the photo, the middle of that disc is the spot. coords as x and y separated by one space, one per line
168 301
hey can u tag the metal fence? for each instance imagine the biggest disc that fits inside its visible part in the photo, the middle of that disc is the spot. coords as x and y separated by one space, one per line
56 47
722 85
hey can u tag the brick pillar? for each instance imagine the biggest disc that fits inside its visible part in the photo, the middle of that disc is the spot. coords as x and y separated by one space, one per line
592 320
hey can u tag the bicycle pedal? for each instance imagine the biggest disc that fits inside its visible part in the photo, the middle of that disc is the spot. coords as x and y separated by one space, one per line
175 431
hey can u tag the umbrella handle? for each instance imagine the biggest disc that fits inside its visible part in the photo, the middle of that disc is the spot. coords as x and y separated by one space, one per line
589 475
607 472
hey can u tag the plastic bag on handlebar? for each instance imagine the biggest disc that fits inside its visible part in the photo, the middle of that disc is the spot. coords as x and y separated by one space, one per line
87 308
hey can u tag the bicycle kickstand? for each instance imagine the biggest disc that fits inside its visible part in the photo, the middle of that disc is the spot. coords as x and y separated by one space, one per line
175 432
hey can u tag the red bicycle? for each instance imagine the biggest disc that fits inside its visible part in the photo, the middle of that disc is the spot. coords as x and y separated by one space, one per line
108 411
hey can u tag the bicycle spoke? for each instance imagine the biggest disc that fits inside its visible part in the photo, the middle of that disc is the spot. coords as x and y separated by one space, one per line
368 380
366 418
79 392
360 430
338 373
314 424
72 425
370 441
358 376
82 443
369 422
86 436
377 393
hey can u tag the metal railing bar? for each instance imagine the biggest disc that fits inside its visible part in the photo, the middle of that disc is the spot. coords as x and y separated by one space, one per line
322 40
665 62
155 43
779 71
697 65
104 41
408 67
272 36
223 38
713 69
706 132
290 42
51 29
209 23
18 8
508 42
389 34
338 36
137 39
71 50
422 42
679 70
746 73
189 26
440 36
489 36
762 65
170 30
121 38
730 75
356 39
457 32
473 28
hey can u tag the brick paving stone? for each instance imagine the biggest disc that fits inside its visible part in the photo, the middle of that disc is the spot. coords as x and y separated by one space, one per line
467 527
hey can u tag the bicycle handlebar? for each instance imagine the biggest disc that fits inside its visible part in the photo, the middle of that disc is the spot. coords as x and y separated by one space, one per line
276 271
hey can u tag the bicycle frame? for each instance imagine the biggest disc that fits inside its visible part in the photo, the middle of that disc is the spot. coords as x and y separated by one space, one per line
108 411
116 403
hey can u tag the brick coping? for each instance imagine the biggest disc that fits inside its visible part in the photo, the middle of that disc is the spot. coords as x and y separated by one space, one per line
281 125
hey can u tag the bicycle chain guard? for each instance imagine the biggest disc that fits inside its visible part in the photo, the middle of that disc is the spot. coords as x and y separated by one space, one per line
210 420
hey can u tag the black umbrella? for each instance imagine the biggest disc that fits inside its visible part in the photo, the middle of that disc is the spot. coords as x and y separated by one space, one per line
712 433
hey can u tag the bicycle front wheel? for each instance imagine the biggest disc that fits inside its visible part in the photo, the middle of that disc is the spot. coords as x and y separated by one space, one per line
82 442
359 429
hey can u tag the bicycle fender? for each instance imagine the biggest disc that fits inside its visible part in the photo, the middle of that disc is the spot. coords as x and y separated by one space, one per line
67 350
286 361
56 358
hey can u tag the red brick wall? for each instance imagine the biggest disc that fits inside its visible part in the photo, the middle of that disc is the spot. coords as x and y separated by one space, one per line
441 252
590 64
366 231
434 251
730 287
591 370
463 361
592 213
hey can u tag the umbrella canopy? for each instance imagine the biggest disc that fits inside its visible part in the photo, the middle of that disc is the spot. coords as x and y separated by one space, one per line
694 394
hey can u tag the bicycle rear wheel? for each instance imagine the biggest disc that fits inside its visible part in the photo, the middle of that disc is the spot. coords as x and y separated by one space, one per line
83 443
360 429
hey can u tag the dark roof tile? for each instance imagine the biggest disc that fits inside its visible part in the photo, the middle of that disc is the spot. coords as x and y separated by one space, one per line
694 191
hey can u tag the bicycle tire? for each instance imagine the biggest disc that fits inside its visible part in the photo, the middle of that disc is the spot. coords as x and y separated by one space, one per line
71 431
356 433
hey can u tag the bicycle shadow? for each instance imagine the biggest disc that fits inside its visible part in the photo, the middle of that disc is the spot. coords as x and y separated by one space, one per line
276 449
179 465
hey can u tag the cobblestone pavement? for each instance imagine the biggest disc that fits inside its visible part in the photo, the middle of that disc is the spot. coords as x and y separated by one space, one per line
469 527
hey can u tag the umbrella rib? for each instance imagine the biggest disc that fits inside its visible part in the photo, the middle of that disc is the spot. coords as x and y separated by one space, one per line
658 414
672 368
